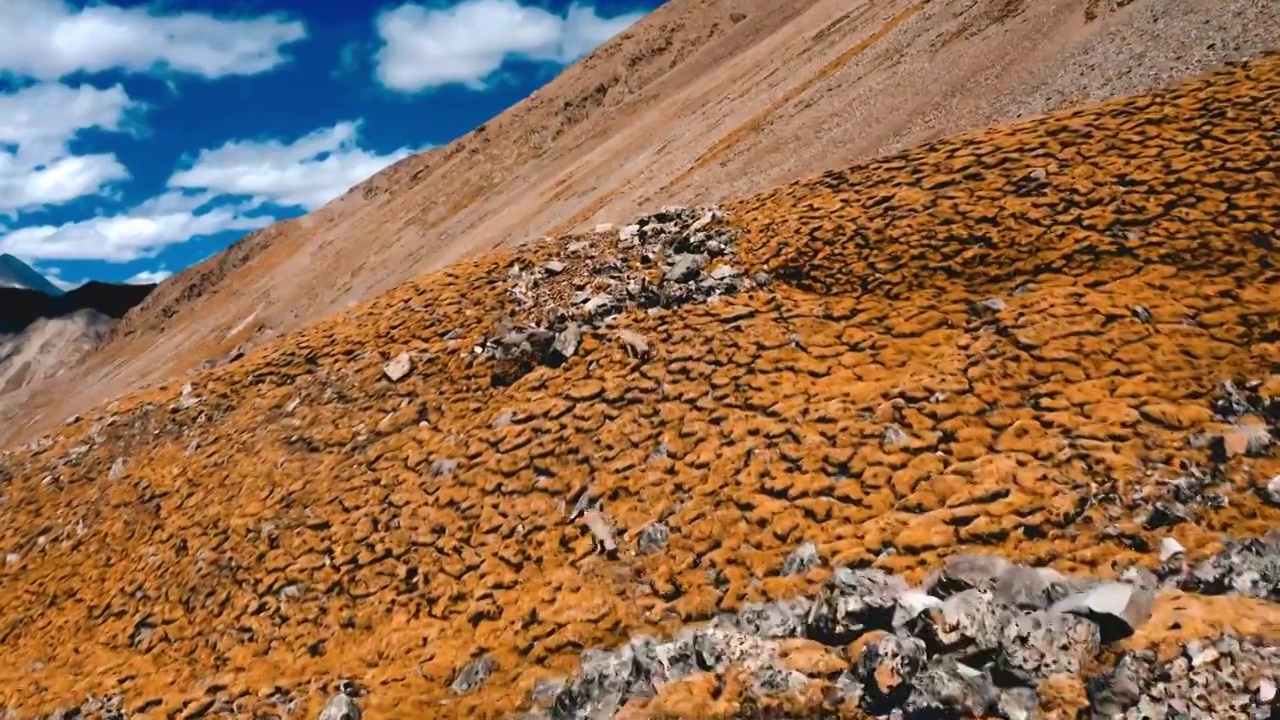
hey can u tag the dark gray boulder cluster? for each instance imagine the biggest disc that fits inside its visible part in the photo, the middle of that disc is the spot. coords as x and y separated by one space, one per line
674 257
979 637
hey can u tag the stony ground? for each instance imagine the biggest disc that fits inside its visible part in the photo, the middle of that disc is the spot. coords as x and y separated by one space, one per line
978 428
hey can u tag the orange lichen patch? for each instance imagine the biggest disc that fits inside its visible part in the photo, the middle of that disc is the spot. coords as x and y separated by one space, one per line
1179 618
949 358
1062 697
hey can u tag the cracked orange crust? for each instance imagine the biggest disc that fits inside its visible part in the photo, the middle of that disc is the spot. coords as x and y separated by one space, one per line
255 542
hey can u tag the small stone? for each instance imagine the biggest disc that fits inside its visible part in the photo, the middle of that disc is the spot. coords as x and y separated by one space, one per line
443 467
1038 174
1272 491
911 604
635 343
553 267
723 272
895 436
340 707
117 469
567 340
398 367
685 267
1170 548
653 538
1140 312
802 560
1266 690
12 558
604 227
473 675
993 304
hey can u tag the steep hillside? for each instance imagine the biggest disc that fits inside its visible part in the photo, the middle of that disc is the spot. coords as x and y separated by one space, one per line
1056 341
42 335
46 347
701 101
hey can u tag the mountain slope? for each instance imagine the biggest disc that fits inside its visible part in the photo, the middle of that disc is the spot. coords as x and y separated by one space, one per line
16 274
1055 340
700 101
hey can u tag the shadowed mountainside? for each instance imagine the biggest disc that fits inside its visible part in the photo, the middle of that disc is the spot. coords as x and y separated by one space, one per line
1055 340
701 101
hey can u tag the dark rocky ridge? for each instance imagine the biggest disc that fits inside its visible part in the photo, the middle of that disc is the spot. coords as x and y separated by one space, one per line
20 307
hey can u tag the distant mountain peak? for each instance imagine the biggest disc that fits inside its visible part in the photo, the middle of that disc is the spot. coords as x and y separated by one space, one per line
16 274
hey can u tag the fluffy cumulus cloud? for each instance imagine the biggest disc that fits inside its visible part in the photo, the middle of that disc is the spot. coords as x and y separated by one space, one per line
466 43
37 125
50 39
143 232
305 173
220 190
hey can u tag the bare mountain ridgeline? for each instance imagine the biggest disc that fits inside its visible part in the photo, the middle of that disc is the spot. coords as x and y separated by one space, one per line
981 429
698 103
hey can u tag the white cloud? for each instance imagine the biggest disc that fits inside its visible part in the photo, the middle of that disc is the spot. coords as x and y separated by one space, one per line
49 39
37 125
467 43
306 173
149 277
143 232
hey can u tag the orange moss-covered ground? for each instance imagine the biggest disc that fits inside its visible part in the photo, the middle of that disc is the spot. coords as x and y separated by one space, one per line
281 529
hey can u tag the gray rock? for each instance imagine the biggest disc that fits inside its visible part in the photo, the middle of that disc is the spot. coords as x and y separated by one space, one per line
1032 588
685 267
1249 567
553 267
1272 491
117 469
965 571
340 707
473 675
443 467
802 560
853 602
653 538
567 340
969 622
1036 645
1118 608
895 436
781 618
945 688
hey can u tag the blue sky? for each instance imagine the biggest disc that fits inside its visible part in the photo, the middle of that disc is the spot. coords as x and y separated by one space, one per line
138 138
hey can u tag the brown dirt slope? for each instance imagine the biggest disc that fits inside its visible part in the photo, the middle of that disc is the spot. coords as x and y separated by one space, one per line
294 517
701 101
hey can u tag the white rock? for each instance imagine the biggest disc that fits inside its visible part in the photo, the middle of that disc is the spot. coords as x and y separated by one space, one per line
1266 690
1273 490
398 367
1170 548
910 604
1117 600
604 227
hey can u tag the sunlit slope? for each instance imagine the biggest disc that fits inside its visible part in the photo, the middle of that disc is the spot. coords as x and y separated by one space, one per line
1010 340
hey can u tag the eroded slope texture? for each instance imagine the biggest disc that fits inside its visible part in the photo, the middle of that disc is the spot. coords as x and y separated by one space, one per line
1054 341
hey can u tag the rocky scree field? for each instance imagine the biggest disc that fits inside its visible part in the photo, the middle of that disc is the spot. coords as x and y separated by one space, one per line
983 429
